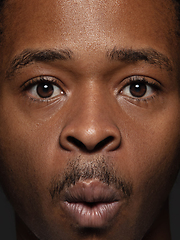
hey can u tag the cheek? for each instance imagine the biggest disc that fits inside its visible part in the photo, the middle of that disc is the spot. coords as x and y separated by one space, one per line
155 155
27 170
151 142
149 156
29 156
152 166
25 164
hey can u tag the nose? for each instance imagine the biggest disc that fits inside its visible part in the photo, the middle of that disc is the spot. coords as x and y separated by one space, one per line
90 138
90 130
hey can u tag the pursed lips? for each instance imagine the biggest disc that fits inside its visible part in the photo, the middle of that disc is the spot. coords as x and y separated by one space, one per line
92 203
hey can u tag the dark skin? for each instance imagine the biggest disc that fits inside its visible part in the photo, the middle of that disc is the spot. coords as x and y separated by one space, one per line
87 84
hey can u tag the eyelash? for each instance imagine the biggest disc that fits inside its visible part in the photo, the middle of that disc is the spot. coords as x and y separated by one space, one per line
142 80
37 80
27 86
45 80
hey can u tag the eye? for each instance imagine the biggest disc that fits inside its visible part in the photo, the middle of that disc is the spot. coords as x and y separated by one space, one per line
138 89
43 88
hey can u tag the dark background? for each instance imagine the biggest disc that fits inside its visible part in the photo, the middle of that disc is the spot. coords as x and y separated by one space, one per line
7 226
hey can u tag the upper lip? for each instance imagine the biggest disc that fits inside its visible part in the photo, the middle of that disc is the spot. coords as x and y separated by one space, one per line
92 191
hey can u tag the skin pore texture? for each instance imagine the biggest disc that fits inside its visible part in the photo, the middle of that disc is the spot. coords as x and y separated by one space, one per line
89 117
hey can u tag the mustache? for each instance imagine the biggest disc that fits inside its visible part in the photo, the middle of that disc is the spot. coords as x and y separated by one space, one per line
79 169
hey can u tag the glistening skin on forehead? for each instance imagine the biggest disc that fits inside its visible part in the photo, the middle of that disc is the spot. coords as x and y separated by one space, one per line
75 129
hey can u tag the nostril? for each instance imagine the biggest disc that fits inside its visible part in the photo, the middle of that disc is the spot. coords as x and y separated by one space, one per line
104 143
76 142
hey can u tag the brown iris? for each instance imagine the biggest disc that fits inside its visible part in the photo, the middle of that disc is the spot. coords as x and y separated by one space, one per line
45 90
138 89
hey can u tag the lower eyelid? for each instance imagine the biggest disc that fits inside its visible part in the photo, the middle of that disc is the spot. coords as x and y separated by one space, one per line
31 89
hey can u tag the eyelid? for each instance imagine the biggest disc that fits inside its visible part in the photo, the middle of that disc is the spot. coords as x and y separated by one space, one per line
151 83
142 79
33 81
28 86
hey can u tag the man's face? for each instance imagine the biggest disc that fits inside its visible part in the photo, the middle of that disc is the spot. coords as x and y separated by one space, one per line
89 117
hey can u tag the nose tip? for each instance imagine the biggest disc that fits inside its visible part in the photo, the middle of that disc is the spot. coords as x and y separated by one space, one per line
79 137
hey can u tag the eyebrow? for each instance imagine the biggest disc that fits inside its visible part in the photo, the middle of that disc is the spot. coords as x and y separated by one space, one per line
148 55
29 56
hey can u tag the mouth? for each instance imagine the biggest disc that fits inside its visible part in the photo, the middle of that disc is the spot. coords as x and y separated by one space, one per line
92 204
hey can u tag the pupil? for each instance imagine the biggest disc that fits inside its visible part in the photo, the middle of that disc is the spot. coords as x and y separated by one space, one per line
45 90
138 89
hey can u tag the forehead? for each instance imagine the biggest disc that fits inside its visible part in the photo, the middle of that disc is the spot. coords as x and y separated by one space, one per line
83 25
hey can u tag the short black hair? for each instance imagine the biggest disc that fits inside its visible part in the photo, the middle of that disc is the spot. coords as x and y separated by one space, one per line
2 2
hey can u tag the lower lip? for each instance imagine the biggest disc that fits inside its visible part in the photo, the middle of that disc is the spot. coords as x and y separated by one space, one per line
98 215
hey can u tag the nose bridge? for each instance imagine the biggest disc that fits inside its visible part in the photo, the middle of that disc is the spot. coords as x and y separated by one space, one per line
94 107
91 105
91 126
